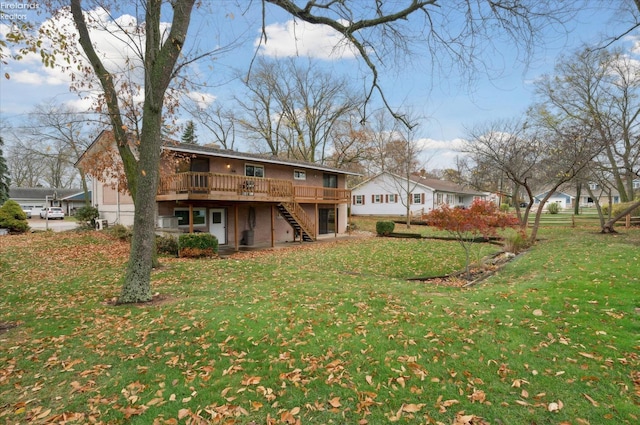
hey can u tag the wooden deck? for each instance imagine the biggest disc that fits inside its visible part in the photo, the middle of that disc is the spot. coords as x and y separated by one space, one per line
212 186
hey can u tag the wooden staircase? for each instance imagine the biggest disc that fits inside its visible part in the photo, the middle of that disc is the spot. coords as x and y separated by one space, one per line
298 219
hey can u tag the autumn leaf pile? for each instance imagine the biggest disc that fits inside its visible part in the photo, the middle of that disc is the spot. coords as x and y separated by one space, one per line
320 334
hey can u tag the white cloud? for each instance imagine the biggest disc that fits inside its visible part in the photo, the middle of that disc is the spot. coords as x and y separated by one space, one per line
201 99
27 77
297 38
441 154
450 145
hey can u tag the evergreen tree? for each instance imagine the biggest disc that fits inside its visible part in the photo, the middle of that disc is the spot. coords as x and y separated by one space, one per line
5 181
189 135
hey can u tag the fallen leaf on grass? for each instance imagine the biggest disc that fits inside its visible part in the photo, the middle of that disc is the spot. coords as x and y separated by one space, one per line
592 401
335 402
412 408
478 395
251 380
462 419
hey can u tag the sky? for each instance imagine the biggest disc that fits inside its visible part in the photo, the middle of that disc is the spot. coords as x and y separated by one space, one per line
449 101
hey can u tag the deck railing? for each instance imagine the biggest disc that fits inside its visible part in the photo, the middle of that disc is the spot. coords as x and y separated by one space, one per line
212 183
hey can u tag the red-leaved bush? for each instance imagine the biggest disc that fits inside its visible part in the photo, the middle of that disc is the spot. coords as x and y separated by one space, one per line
482 218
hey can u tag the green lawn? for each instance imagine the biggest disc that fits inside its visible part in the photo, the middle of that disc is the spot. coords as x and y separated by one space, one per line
329 333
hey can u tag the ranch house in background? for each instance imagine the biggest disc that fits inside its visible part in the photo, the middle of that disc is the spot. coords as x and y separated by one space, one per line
37 198
241 198
386 194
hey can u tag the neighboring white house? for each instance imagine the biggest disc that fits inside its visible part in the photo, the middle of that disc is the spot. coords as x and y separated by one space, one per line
387 194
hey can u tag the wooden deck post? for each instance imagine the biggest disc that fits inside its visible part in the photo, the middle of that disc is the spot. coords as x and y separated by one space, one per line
335 221
273 226
235 227
190 218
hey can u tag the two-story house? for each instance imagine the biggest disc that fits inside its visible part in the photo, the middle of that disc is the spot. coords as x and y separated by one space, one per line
241 198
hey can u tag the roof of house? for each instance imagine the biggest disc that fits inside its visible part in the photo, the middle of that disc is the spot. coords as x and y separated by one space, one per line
40 193
231 154
434 184
77 196
445 186
189 148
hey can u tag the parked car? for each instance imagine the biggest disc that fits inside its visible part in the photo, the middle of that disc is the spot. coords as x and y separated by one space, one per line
52 213
27 211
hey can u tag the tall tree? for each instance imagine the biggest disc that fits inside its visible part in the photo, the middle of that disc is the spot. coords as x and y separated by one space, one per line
25 167
57 135
220 122
189 135
599 89
507 151
377 30
5 181
294 108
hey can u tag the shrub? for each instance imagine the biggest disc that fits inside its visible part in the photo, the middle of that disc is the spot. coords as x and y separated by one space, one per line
553 208
167 245
120 231
13 218
385 228
195 245
86 216
618 208
504 207
515 242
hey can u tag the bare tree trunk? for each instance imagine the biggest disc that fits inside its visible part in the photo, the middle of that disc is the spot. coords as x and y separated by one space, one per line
608 226
137 285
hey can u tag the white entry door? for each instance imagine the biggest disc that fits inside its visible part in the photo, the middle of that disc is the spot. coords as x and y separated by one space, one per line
218 224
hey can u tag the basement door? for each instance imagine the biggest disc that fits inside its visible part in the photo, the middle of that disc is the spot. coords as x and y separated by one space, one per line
326 220
218 224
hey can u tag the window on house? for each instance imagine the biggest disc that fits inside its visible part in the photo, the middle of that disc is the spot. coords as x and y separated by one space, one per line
593 186
199 216
299 175
376 199
460 199
358 200
393 198
253 170
417 198
636 184
439 198
330 180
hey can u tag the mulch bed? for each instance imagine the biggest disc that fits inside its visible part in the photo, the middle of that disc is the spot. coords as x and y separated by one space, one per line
460 279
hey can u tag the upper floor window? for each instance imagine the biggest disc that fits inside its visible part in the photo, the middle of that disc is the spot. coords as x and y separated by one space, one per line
358 199
330 180
299 175
376 199
393 198
253 170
